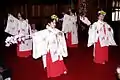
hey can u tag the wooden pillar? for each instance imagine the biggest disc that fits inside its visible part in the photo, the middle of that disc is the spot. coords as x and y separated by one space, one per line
98 2
38 10
109 10
32 9
78 4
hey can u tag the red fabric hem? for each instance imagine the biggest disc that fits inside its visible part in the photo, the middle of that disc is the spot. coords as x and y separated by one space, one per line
69 41
73 45
101 53
56 68
23 53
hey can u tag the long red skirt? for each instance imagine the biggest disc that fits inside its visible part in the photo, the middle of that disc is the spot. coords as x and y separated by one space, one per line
54 69
69 40
23 53
101 53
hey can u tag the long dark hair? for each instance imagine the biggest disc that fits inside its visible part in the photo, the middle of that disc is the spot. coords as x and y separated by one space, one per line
49 20
22 15
72 10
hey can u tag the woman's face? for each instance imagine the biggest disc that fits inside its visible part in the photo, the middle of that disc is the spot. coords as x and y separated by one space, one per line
19 16
69 10
71 13
53 23
33 27
101 17
63 13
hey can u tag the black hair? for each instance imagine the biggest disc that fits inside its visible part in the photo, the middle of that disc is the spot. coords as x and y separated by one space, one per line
49 20
22 15
68 13
73 11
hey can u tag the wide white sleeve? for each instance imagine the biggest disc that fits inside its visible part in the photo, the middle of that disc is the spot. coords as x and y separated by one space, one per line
29 29
88 22
110 35
65 23
12 25
39 44
36 54
92 35
109 28
85 21
63 45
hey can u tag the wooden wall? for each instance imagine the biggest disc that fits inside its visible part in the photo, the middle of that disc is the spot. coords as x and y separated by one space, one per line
95 5
38 13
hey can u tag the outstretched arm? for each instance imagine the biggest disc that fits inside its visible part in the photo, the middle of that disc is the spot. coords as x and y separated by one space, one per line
92 35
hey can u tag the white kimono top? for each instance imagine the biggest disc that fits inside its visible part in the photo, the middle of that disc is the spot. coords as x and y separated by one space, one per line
102 31
69 25
16 27
50 39
12 25
25 29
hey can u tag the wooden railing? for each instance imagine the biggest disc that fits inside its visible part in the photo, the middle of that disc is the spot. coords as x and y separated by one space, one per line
116 10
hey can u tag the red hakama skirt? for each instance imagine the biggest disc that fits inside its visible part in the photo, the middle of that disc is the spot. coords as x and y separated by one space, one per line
23 53
69 40
56 68
101 53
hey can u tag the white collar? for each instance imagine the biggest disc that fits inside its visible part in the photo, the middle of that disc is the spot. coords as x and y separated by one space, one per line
51 29
101 22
